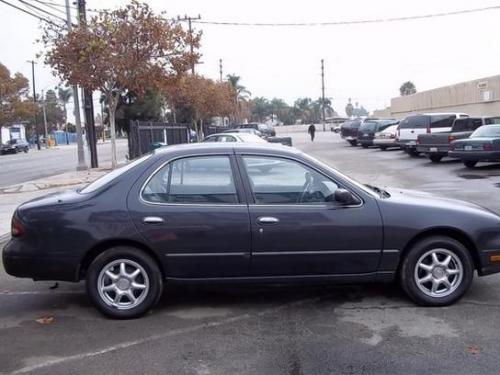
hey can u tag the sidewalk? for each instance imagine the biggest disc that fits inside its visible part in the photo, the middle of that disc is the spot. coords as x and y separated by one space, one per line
12 196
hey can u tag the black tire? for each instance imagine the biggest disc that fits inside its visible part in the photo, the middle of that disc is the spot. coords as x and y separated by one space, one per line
412 152
25 150
470 163
353 143
383 148
136 256
435 158
364 145
418 250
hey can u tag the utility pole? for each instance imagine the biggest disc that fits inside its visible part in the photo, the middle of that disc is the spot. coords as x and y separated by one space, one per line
45 122
189 19
89 102
76 110
220 69
323 94
32 62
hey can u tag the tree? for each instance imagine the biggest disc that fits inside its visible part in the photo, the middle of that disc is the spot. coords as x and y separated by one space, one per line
349 108
53 111
359 111
259 109
240 93
128 49
407 88
15 104
303 110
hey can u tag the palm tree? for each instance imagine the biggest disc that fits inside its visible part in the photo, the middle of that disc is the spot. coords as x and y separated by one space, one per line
241 94
64 96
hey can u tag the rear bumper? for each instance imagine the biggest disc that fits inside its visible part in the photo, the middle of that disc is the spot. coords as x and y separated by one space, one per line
433 149
408 144
391 142
349 138
476 155
36 267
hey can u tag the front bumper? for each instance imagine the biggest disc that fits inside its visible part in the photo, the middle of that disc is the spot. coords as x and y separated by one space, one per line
18 264
476 155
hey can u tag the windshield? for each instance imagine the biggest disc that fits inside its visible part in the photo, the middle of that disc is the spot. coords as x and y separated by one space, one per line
107 178
487 131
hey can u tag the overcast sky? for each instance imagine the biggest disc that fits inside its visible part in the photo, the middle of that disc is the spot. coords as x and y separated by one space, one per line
367 63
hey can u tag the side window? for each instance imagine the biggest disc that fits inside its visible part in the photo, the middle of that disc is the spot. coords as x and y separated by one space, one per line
444 121
460 125
226 138
417 122
474 124
195 180
276 180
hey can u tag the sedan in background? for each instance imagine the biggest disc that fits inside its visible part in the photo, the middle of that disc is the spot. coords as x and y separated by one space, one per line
13 146
482 146
234 137
387 138
207 212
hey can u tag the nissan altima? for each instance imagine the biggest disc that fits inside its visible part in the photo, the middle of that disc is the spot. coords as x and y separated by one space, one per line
208 212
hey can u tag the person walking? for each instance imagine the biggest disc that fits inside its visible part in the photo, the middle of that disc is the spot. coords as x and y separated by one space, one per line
311 131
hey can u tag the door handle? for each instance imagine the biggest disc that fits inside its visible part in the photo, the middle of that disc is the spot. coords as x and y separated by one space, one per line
152 220
268 220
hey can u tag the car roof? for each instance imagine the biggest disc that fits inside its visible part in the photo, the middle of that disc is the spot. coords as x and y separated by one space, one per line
225 146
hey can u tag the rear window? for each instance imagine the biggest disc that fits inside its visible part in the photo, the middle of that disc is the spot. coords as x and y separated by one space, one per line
492 120
414 122
368 126
442 121
487 131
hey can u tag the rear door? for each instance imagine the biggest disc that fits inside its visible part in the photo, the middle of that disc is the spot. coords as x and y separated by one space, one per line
411 127
296 232
190 211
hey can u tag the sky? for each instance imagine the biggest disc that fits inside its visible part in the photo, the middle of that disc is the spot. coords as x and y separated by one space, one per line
366 62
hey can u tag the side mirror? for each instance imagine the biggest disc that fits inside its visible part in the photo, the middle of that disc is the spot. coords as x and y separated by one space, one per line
345 197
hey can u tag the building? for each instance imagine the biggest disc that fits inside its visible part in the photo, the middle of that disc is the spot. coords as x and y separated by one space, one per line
480 97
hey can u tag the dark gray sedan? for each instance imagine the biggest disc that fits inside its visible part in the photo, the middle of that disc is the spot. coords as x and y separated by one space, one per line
482 145
209 213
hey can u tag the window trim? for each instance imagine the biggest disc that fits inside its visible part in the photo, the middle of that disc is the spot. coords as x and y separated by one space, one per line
236 179
251 198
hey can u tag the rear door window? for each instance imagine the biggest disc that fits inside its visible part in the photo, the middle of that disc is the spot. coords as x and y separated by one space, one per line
474 123
442 121
414 122
461 125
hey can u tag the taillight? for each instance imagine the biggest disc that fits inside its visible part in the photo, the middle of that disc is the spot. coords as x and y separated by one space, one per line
428 130
418 141
16 227
487 147
451 138
392 136
399 133
452 147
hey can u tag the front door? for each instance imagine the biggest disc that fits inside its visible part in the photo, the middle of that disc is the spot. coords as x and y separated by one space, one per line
190 212
298 230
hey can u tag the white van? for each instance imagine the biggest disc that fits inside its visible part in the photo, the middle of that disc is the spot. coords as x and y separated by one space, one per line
411 126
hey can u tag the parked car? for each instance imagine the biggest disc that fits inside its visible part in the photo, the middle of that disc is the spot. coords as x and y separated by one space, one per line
13 146
335 128
223 219
436 145
387 138
349 131
367 130
245 130
287 141
234 137
482 145
411 126
267 130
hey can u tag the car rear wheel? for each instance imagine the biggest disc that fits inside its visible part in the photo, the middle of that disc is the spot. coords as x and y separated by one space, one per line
412 152
437 271
353 143
364 145
435 158
470 163
383 148
124 282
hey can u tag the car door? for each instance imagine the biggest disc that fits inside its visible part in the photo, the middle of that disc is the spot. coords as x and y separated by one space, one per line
296 231
190 211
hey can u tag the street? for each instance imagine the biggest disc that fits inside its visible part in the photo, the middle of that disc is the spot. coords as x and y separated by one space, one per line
19 168
355 329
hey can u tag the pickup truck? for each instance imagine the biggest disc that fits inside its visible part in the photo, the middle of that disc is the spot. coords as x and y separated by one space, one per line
436 145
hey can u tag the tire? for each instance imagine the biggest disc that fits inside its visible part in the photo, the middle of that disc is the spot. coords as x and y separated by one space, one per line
470 163
364 145
435 158
134 259
383 148
421 252
412 152
25 150
353 143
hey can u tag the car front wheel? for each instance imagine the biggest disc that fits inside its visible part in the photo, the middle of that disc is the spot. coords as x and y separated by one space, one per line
437 271
435 158
124 283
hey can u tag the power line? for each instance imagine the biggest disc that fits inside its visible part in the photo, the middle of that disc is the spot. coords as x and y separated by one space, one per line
52 7
31 14
41 10
354 22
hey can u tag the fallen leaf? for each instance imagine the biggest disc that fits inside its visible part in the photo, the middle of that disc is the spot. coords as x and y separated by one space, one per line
473 349
45 320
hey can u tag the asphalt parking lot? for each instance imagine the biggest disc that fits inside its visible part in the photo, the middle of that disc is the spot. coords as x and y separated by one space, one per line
370 329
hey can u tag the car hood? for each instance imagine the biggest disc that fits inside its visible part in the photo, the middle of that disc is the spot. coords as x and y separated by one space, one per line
425 199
